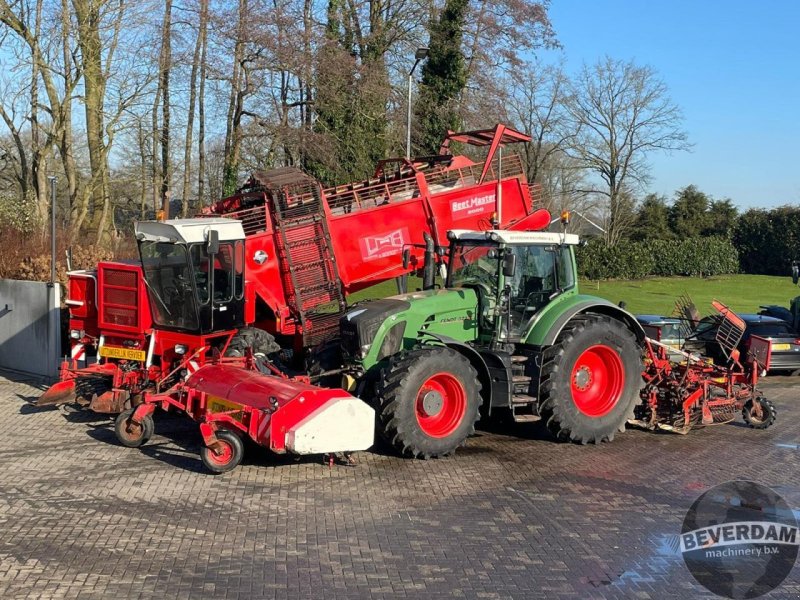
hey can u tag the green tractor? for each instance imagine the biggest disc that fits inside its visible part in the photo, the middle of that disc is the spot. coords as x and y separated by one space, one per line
508 332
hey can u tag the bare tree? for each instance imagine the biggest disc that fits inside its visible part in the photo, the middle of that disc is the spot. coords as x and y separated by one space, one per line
187 156
621 112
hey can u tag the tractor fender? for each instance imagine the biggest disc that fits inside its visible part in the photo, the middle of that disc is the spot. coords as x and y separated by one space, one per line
475 359
594 306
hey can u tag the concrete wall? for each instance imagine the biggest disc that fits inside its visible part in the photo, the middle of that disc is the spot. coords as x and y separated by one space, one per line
30 327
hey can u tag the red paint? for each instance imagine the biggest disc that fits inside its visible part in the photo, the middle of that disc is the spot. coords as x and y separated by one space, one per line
597 380
449 412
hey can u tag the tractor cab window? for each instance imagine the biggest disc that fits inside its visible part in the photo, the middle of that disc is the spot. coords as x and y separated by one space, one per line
476 266
541 272
169 282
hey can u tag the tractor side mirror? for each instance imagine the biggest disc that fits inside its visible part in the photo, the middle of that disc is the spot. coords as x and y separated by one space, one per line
406 257
509 265
212 241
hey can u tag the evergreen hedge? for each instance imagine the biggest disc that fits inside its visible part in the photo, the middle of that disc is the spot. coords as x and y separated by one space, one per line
696 256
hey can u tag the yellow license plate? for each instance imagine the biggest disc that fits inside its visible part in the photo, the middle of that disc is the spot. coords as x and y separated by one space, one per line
219 405
124 353
780 346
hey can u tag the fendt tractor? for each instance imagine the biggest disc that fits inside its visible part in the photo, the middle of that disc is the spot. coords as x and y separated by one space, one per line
508 330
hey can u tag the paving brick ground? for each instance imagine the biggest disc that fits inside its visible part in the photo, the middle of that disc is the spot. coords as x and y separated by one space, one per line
512 515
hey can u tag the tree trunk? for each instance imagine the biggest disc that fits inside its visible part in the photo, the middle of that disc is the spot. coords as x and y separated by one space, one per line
201 117
187 155
94 82
166 53
233 136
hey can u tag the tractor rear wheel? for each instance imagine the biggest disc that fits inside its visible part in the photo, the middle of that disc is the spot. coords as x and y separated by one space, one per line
228 455
763 420
131 434
590 380
429 401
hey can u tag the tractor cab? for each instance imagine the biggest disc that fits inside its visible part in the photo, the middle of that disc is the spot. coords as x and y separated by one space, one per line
514 274
194 273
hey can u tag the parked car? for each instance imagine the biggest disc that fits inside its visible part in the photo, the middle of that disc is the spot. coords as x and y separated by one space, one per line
785 342
672 331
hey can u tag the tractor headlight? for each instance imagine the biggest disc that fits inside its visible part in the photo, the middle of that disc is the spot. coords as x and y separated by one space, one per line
180 349
75 334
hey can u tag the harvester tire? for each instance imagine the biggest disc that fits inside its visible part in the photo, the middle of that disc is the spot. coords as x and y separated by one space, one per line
231 454
768 413
429 401
130 434
590 380
260 341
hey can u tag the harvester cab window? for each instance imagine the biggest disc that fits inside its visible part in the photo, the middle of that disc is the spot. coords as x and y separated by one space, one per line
222 273
168 279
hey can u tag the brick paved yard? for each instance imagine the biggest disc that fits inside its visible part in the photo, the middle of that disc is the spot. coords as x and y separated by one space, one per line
511 515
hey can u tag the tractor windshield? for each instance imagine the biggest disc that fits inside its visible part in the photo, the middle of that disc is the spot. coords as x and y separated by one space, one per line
169 281
474 264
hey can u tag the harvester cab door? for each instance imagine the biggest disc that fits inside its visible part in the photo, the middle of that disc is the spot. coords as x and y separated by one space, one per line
219 279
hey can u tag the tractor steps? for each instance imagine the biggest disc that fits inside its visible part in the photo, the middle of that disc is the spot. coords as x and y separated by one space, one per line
522 399
527 418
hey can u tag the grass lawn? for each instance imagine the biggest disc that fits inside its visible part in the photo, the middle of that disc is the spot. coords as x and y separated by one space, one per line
743 293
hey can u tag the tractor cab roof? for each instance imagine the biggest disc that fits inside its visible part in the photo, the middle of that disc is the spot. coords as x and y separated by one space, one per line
502 236
188 231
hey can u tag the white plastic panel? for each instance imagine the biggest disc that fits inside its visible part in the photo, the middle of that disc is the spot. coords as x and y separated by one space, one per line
342 424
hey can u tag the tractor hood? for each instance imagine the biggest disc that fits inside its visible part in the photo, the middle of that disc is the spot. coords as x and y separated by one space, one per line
373 331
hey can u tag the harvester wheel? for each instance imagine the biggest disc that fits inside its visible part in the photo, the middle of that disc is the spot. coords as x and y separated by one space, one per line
765 419
130 433
429 401
228 455
590 380
259 340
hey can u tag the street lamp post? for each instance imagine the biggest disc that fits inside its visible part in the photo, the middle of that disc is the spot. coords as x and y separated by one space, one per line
419 55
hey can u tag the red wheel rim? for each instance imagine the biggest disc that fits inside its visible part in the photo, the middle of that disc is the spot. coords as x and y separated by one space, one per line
225 454
597 380
441 404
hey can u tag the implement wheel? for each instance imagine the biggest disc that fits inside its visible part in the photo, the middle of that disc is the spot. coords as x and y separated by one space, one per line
429 401
591 379
759 414
131 434
228 454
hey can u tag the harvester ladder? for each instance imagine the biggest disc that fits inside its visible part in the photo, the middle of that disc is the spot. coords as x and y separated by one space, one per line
309 265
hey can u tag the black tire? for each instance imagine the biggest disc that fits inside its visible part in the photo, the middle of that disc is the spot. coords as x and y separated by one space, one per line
452 397
595 412
130 434
231 456
768 413
258 340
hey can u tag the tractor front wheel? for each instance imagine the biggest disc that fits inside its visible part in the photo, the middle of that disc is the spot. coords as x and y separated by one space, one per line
590 380
429 401
130 433
759 414
227 455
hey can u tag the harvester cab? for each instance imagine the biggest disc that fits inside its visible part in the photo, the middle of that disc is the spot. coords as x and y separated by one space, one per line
194 273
